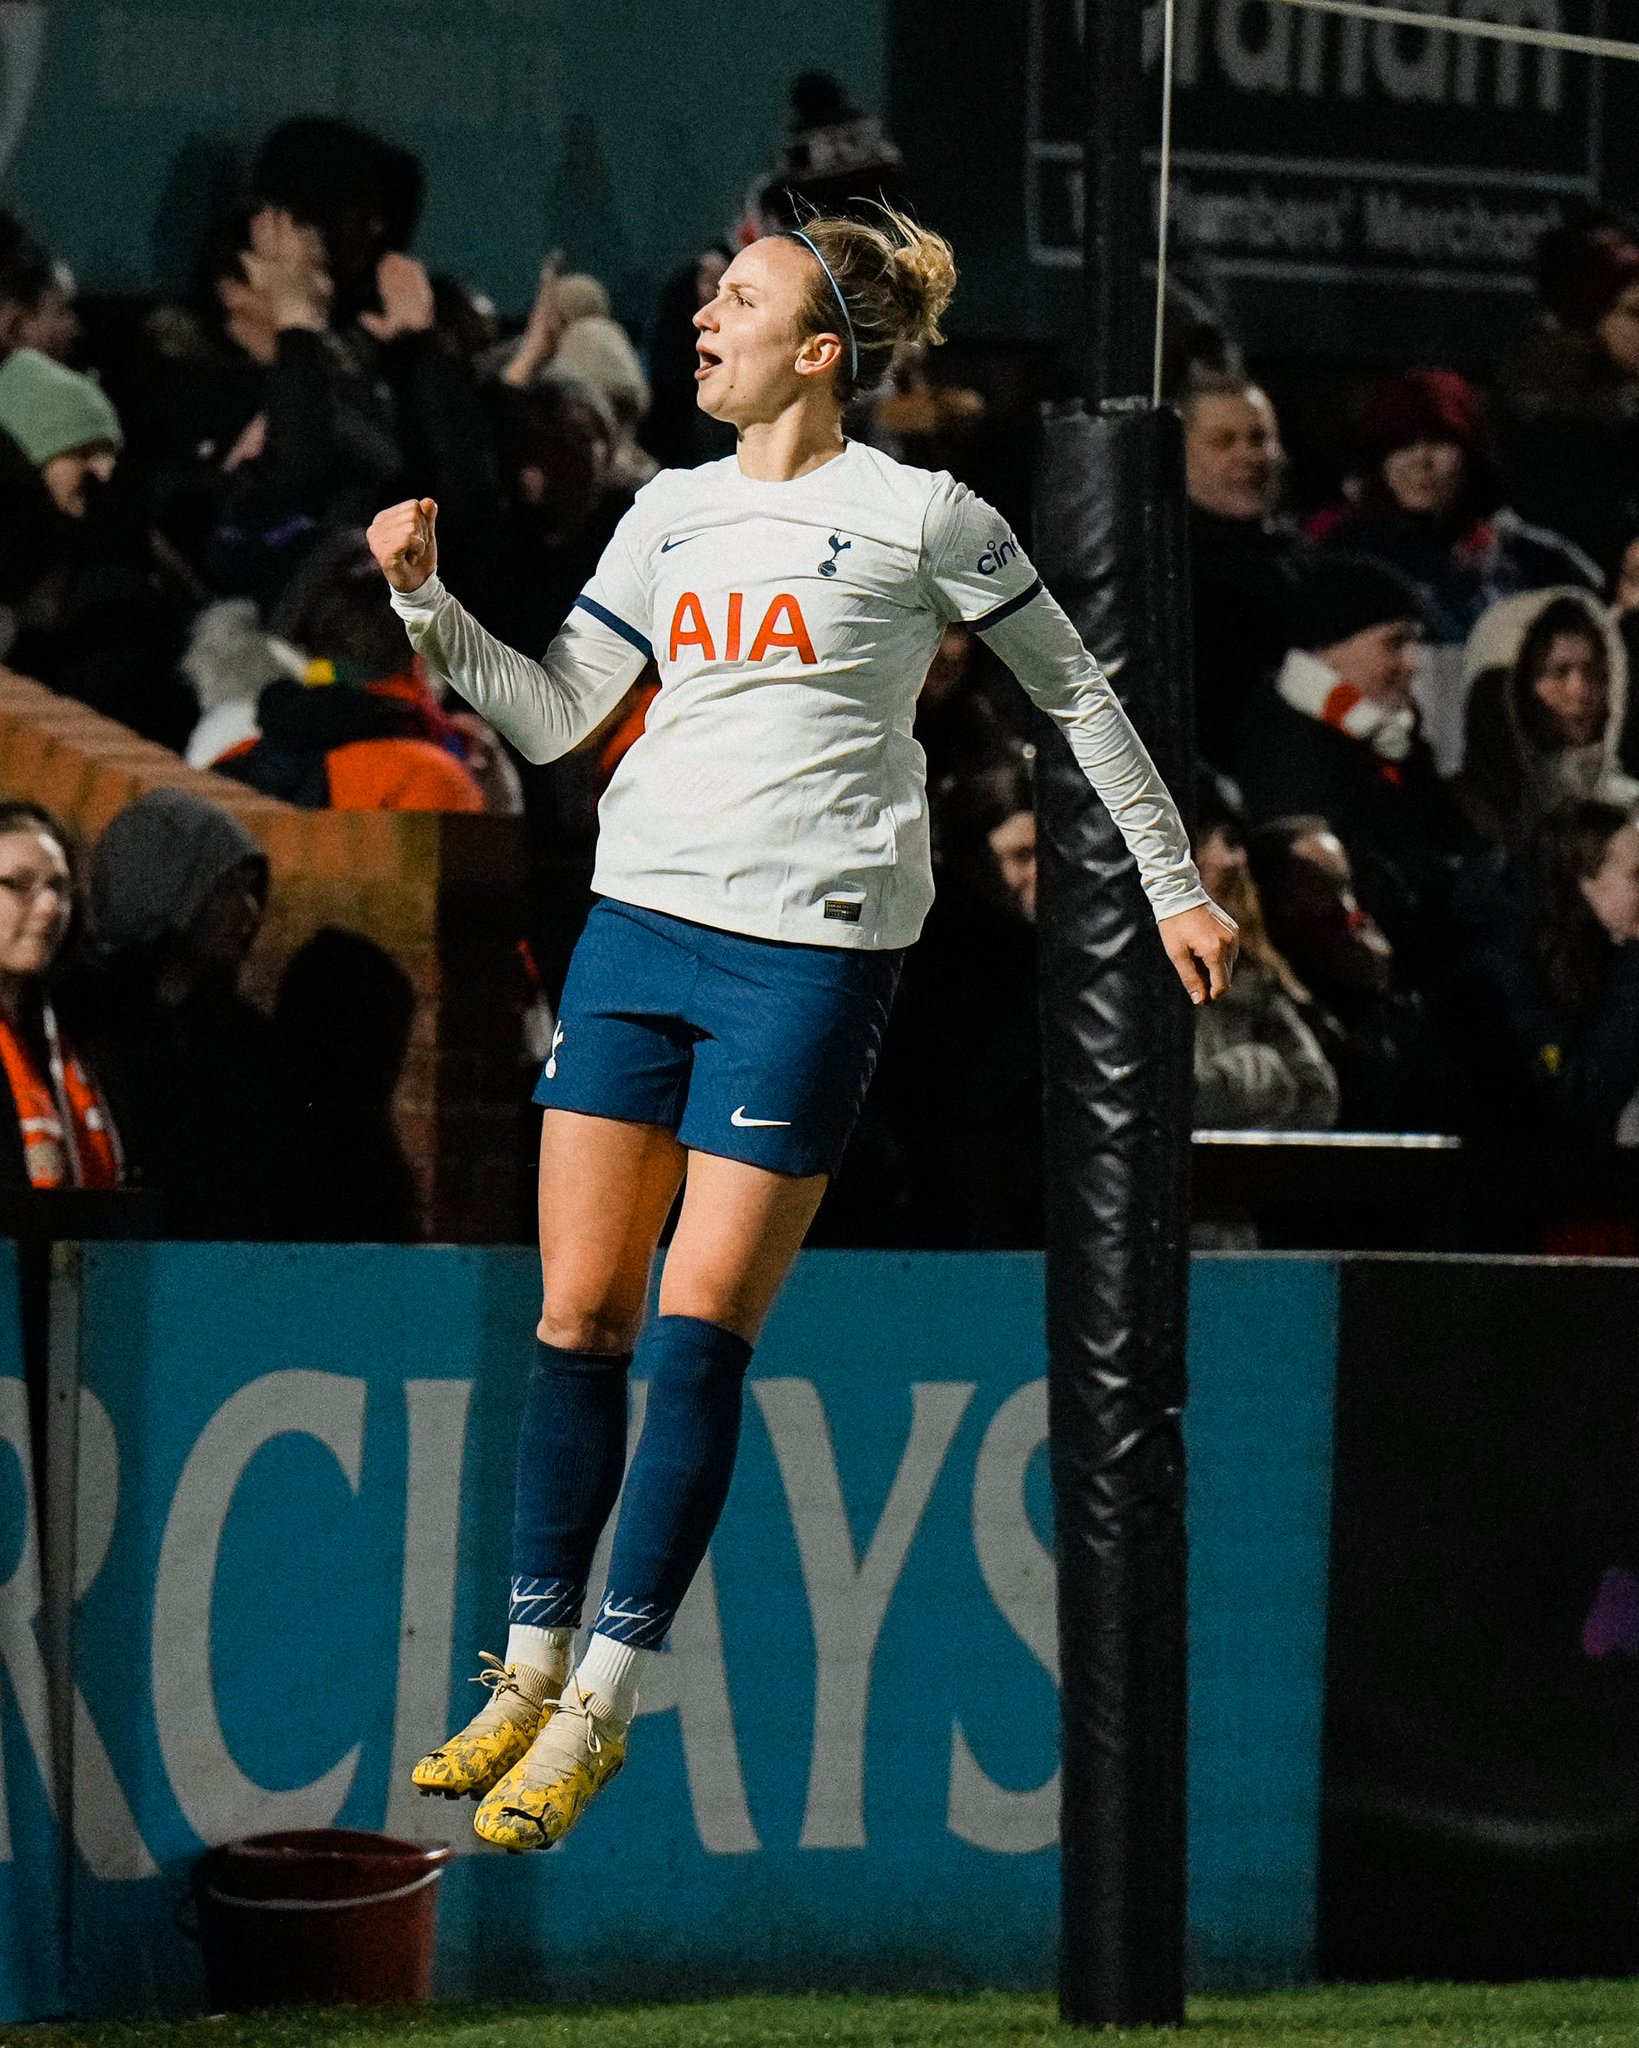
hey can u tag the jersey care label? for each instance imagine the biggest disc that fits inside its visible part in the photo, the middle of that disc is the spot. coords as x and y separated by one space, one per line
844 911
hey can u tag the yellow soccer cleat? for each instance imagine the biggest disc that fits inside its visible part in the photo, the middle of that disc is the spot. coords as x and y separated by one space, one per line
540 1799
496 1737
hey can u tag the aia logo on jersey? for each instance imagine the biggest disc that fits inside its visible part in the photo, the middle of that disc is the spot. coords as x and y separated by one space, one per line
997 556
783 625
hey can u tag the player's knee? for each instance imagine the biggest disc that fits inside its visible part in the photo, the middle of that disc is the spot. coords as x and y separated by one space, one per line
569 1328
730 1308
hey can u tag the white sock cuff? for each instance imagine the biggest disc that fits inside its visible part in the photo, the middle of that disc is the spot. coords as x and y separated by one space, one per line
611 1670
547 1650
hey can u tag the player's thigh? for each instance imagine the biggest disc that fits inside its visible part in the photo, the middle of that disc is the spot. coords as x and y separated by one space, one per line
606 1189
740 1228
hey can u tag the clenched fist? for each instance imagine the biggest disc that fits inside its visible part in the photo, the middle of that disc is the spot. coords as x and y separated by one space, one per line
403 541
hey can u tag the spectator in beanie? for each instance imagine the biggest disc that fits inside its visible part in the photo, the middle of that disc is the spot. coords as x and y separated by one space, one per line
1568 395
1258 1063
1429 503
1545 1005
1546 711
358 731
1336 733
77 608
64 428
1239 552
834 158
55 1128
199 1085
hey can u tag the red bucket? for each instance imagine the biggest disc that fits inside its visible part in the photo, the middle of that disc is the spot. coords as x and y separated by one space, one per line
318 1916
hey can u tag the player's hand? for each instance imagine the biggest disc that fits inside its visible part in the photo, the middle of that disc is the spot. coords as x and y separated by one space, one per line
1202 944
403 540
406 295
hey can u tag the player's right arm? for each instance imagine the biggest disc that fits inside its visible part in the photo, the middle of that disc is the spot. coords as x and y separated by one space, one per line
543 707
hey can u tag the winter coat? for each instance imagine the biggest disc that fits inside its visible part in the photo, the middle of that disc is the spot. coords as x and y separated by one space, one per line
1400 828
350 424
1526 1069
201 1093
345 748
1508 783
1258 1066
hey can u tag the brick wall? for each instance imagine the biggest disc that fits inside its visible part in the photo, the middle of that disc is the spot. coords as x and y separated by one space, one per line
442 894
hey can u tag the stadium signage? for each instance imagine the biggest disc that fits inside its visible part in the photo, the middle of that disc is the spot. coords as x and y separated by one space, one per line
294 1478
1312 149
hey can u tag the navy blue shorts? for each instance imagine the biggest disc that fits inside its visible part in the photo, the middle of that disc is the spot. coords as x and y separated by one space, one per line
751 1048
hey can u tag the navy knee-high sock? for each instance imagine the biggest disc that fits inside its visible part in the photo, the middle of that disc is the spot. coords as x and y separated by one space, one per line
571 1456
679 1478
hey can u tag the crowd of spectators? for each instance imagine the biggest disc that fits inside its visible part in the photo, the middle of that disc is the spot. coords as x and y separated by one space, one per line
1418 752
1413 703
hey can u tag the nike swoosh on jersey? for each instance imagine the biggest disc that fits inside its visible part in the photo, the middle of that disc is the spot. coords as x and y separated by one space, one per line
759 1123
666 546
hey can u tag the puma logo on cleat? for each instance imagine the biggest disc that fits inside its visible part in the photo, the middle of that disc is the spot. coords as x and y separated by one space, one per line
759 1123
837 547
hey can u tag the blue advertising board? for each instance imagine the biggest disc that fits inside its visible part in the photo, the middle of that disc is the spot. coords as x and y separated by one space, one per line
296 1465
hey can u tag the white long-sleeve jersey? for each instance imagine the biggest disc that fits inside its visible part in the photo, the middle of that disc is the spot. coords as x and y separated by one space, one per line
776 789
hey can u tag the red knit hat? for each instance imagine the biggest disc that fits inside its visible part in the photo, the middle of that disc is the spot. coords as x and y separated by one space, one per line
1422 405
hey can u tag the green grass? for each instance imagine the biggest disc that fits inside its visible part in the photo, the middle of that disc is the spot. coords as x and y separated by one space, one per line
1379 2016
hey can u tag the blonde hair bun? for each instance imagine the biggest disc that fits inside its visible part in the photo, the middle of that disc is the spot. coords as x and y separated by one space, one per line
925 265
896 279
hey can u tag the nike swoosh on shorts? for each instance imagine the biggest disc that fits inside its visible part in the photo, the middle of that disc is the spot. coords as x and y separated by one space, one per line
759 1123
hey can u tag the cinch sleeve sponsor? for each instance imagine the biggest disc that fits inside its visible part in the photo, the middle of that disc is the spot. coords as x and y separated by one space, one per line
544 707
968 553
973 559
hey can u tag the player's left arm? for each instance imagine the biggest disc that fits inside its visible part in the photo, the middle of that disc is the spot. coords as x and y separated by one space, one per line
984 578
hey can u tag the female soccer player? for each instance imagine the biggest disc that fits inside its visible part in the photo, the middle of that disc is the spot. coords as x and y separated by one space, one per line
762 864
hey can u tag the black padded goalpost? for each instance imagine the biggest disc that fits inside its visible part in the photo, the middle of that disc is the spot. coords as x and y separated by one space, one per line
1111 541
1116 1040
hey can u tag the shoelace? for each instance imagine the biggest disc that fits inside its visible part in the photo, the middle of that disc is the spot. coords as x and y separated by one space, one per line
498 1677
555 1752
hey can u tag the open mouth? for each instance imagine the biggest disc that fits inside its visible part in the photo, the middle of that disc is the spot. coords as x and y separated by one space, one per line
708 360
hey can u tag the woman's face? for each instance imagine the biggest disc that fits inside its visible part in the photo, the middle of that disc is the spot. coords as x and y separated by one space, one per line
1426 477
1570 686
1613 892
752 361
36 900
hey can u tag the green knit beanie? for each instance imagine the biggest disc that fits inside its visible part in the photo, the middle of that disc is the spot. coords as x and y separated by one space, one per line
49 410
